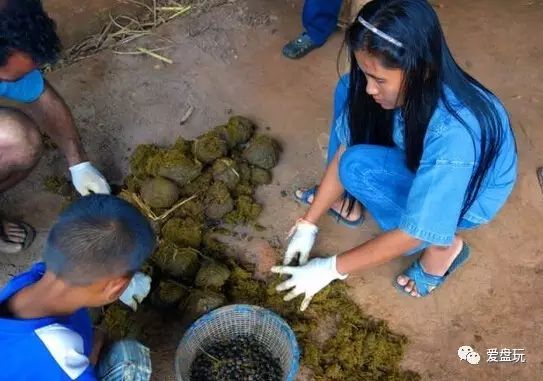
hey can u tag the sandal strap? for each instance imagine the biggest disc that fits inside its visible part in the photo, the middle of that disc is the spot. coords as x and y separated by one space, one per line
306 194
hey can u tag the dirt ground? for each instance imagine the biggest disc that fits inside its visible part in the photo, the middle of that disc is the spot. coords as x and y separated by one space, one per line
229 59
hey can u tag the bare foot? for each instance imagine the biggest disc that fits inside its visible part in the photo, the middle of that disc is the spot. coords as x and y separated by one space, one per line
435 260
356 213
13 237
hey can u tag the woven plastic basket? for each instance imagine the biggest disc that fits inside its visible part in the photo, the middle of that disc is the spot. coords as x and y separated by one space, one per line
239 319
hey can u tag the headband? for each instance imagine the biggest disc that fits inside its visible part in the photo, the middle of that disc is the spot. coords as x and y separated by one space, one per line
380 33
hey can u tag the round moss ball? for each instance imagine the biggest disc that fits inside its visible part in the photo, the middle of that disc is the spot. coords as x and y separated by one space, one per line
159 192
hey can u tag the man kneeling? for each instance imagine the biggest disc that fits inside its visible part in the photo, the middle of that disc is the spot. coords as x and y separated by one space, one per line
91 254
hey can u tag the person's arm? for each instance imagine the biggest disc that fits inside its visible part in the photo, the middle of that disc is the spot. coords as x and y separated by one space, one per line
302 236
312 277
376 251
53 116
328 192
99 339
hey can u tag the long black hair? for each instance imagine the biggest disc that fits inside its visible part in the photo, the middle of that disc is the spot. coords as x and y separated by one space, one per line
428 67
25 27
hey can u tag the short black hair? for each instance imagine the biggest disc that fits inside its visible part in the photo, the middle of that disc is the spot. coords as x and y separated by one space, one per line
25 27
98 236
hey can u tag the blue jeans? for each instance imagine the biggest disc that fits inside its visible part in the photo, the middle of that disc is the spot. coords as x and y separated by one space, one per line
126 360
379 179
320 18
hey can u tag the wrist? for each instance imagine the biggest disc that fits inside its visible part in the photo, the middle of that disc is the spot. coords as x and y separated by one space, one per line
77 156
78 166
337 266
308 217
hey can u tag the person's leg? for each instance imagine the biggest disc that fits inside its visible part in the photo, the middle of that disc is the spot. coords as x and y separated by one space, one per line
20 151
379 179
20 147
125 360
436 260
319 19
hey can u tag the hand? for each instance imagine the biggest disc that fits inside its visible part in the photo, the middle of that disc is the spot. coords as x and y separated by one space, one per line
137 290
301 240
308 279
87 179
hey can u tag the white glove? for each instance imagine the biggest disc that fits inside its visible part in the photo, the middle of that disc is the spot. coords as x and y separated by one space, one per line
87 179
137 290
301 240
308 279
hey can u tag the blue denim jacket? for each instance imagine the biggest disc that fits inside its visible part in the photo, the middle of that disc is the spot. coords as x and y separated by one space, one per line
436 197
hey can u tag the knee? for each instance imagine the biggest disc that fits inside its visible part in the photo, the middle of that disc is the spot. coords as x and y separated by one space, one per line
352 165
20 140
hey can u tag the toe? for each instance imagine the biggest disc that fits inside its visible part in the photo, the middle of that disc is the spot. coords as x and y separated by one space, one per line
16 237
14 233
402 280
410 286
10 248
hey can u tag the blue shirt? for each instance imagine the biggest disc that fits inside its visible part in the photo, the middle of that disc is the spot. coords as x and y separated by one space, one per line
48 348
26 89
436 197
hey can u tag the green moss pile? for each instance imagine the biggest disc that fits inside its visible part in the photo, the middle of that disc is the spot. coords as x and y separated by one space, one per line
61 186
159 192
182 263
218 201
184 232
357 348
168 294
237 131
140 157
201 302
192 276
226 171
262 151
209 148
188 274
174 164
246 210
120 322
212 275
260 176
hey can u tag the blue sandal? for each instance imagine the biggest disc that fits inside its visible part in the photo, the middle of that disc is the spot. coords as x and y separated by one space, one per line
299 47
331 212
426 283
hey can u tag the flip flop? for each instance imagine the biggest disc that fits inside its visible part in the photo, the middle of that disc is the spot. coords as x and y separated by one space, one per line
29 230
331 212
424 281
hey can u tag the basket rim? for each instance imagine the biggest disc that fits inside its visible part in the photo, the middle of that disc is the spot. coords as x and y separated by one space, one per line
249 307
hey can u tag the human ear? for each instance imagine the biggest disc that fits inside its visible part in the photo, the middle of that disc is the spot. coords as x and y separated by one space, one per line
115 287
